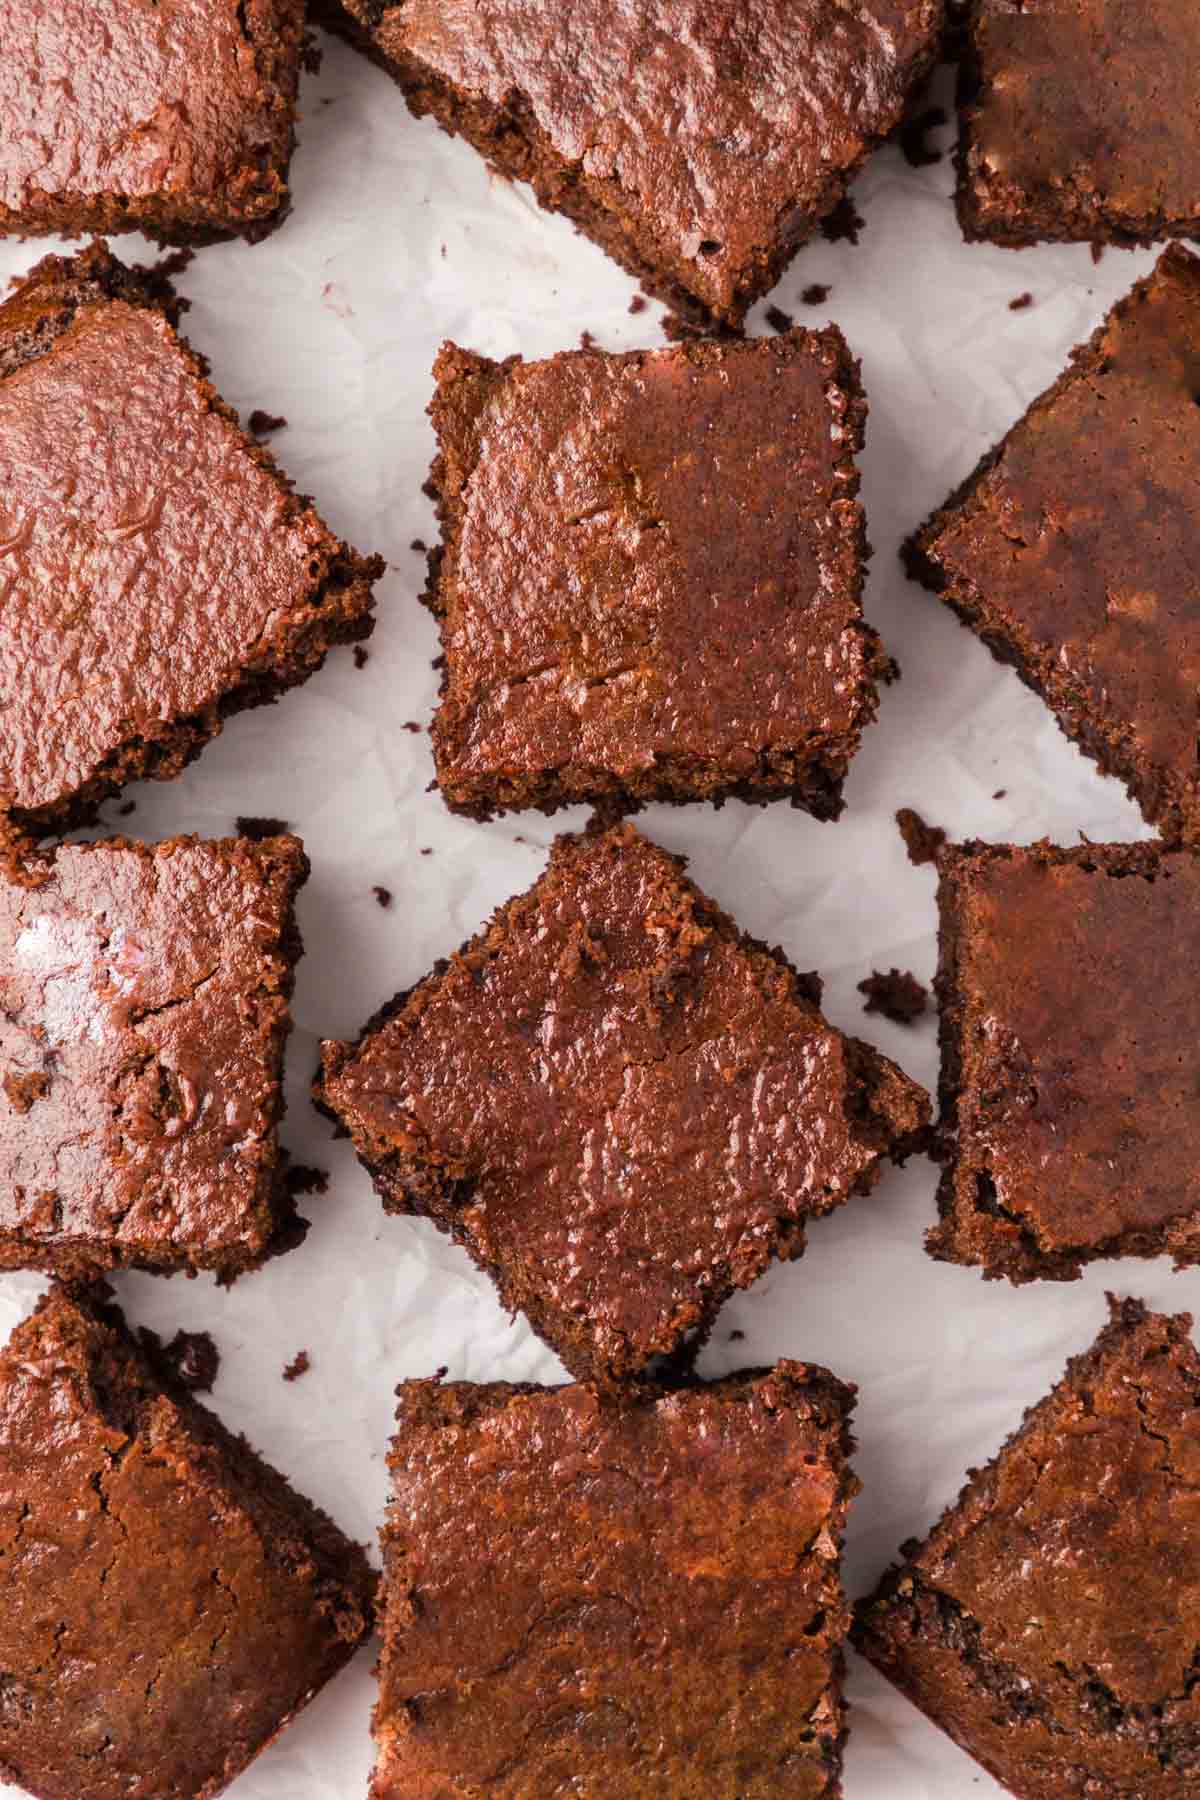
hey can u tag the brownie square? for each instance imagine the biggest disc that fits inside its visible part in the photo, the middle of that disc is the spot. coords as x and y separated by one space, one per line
1078 121
1074 548
699 142
143 1016
1049 1622
651 576
637 1596
176 119
159 572
167 1602
621 1106
1069 984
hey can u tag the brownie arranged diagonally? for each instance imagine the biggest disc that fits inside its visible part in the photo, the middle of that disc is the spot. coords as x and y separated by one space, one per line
1078 121
168 1603
1069 987
651 576
1074 548
1050 1621
176 119
157 570
143 1016
699 142
635 1595
621 1106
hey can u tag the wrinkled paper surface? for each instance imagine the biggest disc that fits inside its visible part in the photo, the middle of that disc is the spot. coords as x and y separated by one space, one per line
399 239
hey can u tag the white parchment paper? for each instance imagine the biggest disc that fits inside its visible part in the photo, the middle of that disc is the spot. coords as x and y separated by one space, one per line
399 239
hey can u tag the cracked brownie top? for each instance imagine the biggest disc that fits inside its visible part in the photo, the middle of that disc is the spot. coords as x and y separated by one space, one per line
1051 1620
167 1601
636 1596
618 1103
143 1014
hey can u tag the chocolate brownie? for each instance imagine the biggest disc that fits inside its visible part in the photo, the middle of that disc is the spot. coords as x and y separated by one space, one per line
1069 985
651 579
169 1603
1074 548
1078 121
635 1595
621 1106
143 1016
1050 1621
159 572
176 119
699 142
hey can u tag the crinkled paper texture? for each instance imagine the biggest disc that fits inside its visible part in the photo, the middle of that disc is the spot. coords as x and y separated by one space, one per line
399 239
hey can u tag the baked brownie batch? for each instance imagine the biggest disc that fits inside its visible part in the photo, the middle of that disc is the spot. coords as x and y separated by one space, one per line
623 1108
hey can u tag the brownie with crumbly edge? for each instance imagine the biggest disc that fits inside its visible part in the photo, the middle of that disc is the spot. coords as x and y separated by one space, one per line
1069 989
650 580
176 119
1077 122
699 142
1050 1621
1074 549
159 571
621 1106
635 1595
169 1602
143 1016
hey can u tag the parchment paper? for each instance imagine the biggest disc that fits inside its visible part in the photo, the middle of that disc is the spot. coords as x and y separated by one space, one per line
399 239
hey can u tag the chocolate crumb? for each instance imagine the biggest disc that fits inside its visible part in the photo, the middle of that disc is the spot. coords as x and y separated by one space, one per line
382 895
898 995
778 320
427 853
420 546
1020 302
190 1360
362 656
914 132
586 341
300 1364
262 424
922 841
735 1337
411 725
816 293
999 793
306 1178
24 1091
844 222
1097 252
637 304
124 811
248 826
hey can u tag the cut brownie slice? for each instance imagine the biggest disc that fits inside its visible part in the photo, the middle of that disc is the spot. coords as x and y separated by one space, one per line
621 1106
651 577
699 142
143 1015
168 1602
158 570
1070 999
637 1596
176 119
1074 548
1078 121
1050 1621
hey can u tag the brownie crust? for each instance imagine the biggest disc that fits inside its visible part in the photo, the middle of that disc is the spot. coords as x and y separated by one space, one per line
169 1602
635 1595
698 142
621 1106
650 581
143 1017
1049 1622
1076 122
1072 549
177 120
110 437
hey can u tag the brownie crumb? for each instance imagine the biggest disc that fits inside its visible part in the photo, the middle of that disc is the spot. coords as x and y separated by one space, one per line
999 793
1097 252
427 852
843 223
306 1178
262 424
1020 302
428 489
382 895
411 725
190 1360
637 304
124 811
922 841
914 133
249 826
778 320
362 656
898 995
419 546
586 341
816 293
24 1091
300 1364
735 1337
